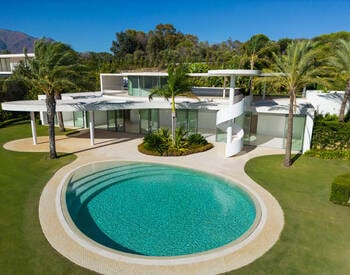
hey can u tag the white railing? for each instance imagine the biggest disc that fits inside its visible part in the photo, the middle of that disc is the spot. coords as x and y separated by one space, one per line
234 133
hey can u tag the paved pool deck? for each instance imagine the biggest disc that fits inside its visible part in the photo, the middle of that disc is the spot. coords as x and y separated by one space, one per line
123 147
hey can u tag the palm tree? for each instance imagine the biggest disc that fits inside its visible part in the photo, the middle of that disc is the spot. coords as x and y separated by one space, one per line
51 72
177 85
297 68
257 48
341 62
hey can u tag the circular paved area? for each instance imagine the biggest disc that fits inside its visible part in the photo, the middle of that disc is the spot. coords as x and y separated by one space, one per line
123 147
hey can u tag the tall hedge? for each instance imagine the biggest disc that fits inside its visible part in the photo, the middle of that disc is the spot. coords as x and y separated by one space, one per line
330 135
340 190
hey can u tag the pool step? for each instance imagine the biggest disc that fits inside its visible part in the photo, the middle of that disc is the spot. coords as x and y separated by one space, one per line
81 191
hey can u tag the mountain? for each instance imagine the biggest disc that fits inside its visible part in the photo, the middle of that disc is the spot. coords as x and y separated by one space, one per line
15 42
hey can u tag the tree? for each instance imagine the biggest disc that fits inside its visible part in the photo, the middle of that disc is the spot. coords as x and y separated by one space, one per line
297 68
341 62
50 72
177 85
257 49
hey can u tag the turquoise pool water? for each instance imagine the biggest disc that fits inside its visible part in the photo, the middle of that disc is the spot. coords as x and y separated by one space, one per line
157 210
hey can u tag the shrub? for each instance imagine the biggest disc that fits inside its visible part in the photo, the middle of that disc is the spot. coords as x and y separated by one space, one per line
340 190
160 143
197 139
329 154
329 134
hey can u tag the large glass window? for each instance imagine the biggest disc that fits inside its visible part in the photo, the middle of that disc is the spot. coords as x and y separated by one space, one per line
187 120
298 133
141 85
116 120
5 65
78 118
149 120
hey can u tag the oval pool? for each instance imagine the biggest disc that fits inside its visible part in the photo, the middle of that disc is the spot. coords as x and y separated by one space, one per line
157 210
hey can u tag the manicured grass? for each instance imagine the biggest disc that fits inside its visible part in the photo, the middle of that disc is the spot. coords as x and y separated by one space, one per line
315 239
23 247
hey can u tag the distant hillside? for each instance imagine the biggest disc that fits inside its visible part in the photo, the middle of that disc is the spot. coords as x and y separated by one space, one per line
15 42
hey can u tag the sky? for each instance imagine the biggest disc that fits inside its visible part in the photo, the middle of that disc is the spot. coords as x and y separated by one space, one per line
91 25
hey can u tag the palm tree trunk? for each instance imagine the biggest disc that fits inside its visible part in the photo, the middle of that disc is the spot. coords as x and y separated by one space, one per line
59 115
51 110
344 102
288 155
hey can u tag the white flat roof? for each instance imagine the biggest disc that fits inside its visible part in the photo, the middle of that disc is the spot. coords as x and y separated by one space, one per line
229 72
281 106
136 74
234 72
15 55
104 103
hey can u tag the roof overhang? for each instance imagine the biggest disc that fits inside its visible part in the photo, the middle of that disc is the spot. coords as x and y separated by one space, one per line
234 72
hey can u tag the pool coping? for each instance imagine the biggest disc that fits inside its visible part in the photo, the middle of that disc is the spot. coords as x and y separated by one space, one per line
126 150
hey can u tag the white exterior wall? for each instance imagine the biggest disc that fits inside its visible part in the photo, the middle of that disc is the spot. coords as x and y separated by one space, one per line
326 102
309 125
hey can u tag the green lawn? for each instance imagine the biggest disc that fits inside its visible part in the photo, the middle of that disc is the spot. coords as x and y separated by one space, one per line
23 247
315 239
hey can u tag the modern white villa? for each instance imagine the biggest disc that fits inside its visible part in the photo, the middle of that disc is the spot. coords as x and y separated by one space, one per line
220 114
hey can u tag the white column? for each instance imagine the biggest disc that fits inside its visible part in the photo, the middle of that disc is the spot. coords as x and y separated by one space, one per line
101 83
224 91
229 135
232 88
309 125
32 123
92 127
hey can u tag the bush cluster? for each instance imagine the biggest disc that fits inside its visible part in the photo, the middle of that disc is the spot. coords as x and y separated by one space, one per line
160 143
329 154
340 190
329 134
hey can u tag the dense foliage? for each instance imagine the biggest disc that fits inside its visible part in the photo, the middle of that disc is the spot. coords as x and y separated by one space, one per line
329 134
340 191
160 143
330 138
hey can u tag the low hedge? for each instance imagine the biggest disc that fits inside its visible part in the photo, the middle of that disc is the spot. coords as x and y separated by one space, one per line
340 190
174 152
11 121
329 154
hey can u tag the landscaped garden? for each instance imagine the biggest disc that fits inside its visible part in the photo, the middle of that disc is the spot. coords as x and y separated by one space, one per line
161 143
314 240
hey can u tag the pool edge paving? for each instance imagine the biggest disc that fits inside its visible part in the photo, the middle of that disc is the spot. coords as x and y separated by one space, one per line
125 149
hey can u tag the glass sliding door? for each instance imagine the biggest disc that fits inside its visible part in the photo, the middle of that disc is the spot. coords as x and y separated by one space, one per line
144 121
192 121
154 120
120 120
78 118
149 120
298 132
111 121
181 119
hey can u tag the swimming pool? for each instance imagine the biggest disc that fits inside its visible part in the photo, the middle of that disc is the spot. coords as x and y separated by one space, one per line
157 210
